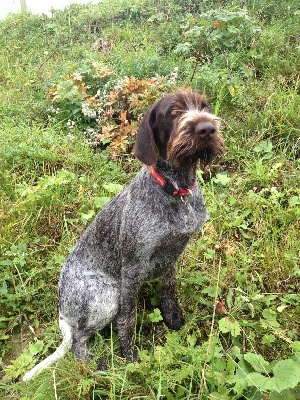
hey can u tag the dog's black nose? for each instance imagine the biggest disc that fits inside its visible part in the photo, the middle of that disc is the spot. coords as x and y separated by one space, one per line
205 129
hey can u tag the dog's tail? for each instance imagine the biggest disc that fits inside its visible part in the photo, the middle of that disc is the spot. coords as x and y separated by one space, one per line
59 352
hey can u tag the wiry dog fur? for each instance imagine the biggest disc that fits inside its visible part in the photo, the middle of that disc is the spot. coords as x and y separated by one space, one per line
140 233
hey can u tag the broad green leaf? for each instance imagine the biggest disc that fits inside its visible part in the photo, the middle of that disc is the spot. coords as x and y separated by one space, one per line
257 362
183 47
222 178
228 325
294 201
286 376
270 316
295 346
6 262
191 340
239 378
230 367
112 188
268 339
87 217
35 347
285 395
155 316
258 380
264 147
101 201
282 308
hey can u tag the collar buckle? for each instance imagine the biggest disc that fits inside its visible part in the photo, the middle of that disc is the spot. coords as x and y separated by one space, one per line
169 187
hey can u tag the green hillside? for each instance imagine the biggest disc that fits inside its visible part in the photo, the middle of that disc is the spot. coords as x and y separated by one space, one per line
73 89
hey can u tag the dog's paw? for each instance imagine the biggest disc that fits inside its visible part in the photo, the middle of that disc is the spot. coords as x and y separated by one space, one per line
174 319
132 356
135 356
101 365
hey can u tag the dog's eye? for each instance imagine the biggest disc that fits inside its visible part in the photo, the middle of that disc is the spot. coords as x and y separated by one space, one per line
205 107
174 112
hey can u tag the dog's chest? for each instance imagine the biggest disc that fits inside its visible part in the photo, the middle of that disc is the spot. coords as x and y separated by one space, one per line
155 236
176 230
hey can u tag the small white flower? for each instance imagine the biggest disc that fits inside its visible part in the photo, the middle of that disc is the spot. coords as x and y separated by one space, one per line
71 124
173 76
70 136
244 298
87 112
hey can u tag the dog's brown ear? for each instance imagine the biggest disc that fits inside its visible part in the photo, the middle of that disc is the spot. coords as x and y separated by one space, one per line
145 148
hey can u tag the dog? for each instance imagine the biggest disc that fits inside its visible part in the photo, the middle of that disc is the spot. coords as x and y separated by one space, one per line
140 233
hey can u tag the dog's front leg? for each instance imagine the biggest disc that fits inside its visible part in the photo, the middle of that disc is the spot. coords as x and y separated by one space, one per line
171 313
125 321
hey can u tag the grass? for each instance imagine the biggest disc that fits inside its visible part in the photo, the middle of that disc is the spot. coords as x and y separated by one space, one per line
239 277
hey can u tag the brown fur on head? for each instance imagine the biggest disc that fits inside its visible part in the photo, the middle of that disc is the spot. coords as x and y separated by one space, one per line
180 129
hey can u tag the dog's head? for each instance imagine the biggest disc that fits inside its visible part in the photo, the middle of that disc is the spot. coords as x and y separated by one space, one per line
180 129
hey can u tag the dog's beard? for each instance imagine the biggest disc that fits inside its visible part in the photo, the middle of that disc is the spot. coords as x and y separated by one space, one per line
188 153
208 154
188 147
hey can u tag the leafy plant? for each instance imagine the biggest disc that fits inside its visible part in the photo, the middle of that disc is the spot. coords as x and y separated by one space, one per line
113 112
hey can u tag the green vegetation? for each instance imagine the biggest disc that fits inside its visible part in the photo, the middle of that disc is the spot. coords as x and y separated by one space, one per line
69 114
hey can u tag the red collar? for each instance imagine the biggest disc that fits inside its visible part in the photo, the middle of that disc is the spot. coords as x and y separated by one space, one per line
168 186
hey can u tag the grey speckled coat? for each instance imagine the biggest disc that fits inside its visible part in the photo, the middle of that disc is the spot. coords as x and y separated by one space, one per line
130 242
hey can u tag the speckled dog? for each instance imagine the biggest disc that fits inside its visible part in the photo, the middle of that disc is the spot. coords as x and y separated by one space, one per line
141 232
